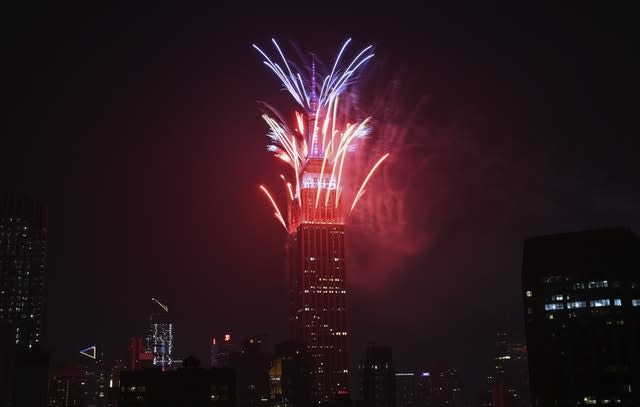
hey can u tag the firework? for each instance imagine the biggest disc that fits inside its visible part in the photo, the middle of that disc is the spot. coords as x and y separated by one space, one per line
320 140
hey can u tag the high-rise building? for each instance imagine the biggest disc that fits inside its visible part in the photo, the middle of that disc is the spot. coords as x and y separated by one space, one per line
23 243
510 378
67 386
186 386
290 375
221 350
413 389
446 388
318 290
378 377
161 335
23 362
138 355
581 294
251 365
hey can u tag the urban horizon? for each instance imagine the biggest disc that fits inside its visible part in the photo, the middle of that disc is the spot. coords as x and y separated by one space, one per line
427 166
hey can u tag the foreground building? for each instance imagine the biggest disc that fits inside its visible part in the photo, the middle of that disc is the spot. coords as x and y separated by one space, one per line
581 296
187 386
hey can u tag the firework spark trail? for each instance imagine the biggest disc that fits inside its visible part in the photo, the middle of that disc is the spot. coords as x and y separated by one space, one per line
277 214
364 184
323 139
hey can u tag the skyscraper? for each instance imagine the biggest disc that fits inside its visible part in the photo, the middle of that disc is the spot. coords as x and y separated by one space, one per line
581 296
316 149
510 379
318 283
446 390
161 335
23 243
378 377
413 389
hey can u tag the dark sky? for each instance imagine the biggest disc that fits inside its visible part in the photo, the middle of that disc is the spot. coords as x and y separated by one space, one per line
139 129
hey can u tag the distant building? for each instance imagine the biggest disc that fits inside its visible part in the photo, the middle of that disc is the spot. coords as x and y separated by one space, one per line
510 378
581 296
23 245
160 340
138 356
378 377
251 365
188 386
67 386
413 389
446 388
221 350
290 376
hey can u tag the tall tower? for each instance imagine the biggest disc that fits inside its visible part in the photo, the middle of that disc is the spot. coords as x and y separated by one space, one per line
316 149
318 290
23 241
161 335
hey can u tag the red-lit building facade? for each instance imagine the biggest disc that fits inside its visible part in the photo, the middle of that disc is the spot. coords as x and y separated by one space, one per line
318 291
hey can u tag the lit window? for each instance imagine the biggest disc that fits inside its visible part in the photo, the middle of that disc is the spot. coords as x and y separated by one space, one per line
576 304
598 284
617 302
529 293
558 297
578 286
635 302
553 307
600 303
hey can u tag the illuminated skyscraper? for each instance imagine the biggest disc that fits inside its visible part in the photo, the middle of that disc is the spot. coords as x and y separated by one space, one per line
317 148
161 335
23 242
318 291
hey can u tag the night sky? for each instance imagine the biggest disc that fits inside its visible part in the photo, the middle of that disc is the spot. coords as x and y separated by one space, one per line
140 130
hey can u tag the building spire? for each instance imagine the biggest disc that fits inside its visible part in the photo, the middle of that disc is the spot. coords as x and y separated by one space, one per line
313 102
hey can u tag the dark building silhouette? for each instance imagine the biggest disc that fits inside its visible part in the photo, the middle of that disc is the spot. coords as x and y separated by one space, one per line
581 295
67 386
378 377
221 350
187 386
290 375
510 378
413 389
138 355
318 290
23 242
251 365
446 388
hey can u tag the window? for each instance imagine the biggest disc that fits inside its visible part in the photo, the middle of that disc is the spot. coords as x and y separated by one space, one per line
529 293
635 302
553 306
598 284
558 297
578 286
600 303
617 302
576 304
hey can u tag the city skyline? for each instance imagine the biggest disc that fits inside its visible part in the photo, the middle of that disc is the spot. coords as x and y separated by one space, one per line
146 150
